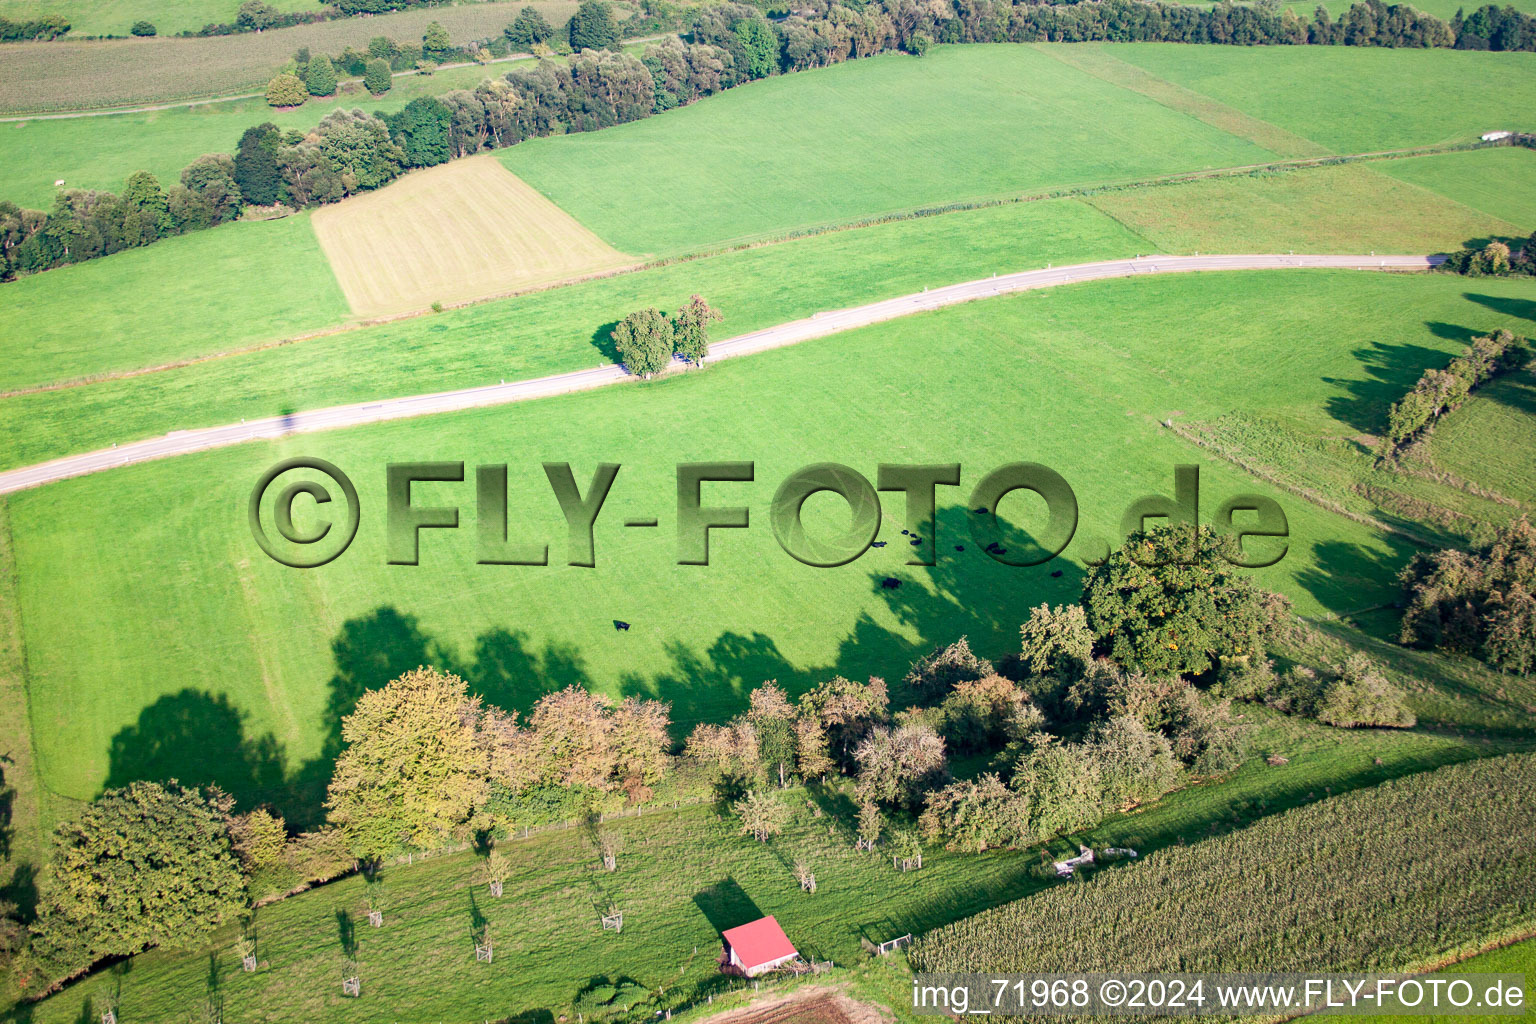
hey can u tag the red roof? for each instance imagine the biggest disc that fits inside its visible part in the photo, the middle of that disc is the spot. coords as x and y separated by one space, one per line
760 942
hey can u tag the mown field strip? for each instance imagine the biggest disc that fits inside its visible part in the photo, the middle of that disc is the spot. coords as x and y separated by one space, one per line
817 326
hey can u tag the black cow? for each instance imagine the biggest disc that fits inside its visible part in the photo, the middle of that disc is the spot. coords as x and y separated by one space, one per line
622 627
890 583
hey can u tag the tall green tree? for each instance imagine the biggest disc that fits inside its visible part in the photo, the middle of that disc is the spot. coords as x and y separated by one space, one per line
320 77
256 169
644 342
376 78
148 205
435 43
690 329
760 45
286 90
149 865
528 29
592 27
422 132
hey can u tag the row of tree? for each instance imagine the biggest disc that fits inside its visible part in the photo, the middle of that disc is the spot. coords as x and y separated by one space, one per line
44 26
1495 259
1438 392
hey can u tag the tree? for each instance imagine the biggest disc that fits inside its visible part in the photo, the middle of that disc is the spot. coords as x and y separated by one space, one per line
142 28
1477 602
1056 639
644 342
377 79
761 814
255 167
415 768
421 130
286 90
255 16
1062 786
871 824
897 766
933 676
211 178
847 710
148 865
979 712
320 77
975 815
919 43
759 44
259 838
1135 764
812 759
690 330
529 29
592 27
150 209
435 43
772 717
1168 602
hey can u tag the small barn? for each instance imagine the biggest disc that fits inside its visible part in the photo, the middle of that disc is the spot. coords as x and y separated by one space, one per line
757 947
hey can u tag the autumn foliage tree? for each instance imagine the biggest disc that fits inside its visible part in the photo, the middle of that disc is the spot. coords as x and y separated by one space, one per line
690 330
416 766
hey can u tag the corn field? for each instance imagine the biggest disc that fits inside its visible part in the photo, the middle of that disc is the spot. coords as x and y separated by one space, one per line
1413 872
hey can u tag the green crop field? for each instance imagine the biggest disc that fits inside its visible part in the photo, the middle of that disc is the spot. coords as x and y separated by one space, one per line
113 17
1500 182
151 608
86 75
1352 99
966 122
133 310
99 152
1351 208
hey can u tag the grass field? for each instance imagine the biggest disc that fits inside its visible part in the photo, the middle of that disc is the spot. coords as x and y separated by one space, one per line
173 599
868 137
533 335
682 877
1351 99
99 152
113 17
1499 182
461 231
246 283
1491 440
1353 208
84 75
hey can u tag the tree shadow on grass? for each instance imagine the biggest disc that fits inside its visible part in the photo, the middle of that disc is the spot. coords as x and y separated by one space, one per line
1524 309
602 340
1391 370
199 739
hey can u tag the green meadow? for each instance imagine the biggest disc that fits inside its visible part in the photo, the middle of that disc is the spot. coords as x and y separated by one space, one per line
1353 99
113 17
1500 182
864 138
169 610
100 151
248 282
533 335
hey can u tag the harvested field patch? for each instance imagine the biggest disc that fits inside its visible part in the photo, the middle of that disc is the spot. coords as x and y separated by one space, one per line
461 231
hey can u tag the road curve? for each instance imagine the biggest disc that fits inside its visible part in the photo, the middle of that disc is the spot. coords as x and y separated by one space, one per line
818 325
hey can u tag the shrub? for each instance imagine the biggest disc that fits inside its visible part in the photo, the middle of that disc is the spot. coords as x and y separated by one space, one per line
142 28
762 815
286 90
1476 603
936 674
1360 694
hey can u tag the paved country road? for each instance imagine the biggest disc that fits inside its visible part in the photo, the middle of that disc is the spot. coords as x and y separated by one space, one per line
819 325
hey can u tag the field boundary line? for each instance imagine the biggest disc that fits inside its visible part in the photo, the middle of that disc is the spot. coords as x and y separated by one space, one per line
747 244
817 325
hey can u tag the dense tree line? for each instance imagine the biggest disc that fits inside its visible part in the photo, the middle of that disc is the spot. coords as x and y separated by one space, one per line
1438 392
45 26
1480 603
1496 259
730 44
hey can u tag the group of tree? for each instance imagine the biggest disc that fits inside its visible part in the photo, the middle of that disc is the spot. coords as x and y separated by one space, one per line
1438 392
42 27
1495 259
1480 603
647 340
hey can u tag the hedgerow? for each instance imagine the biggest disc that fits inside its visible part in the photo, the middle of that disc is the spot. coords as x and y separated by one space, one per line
1390 878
